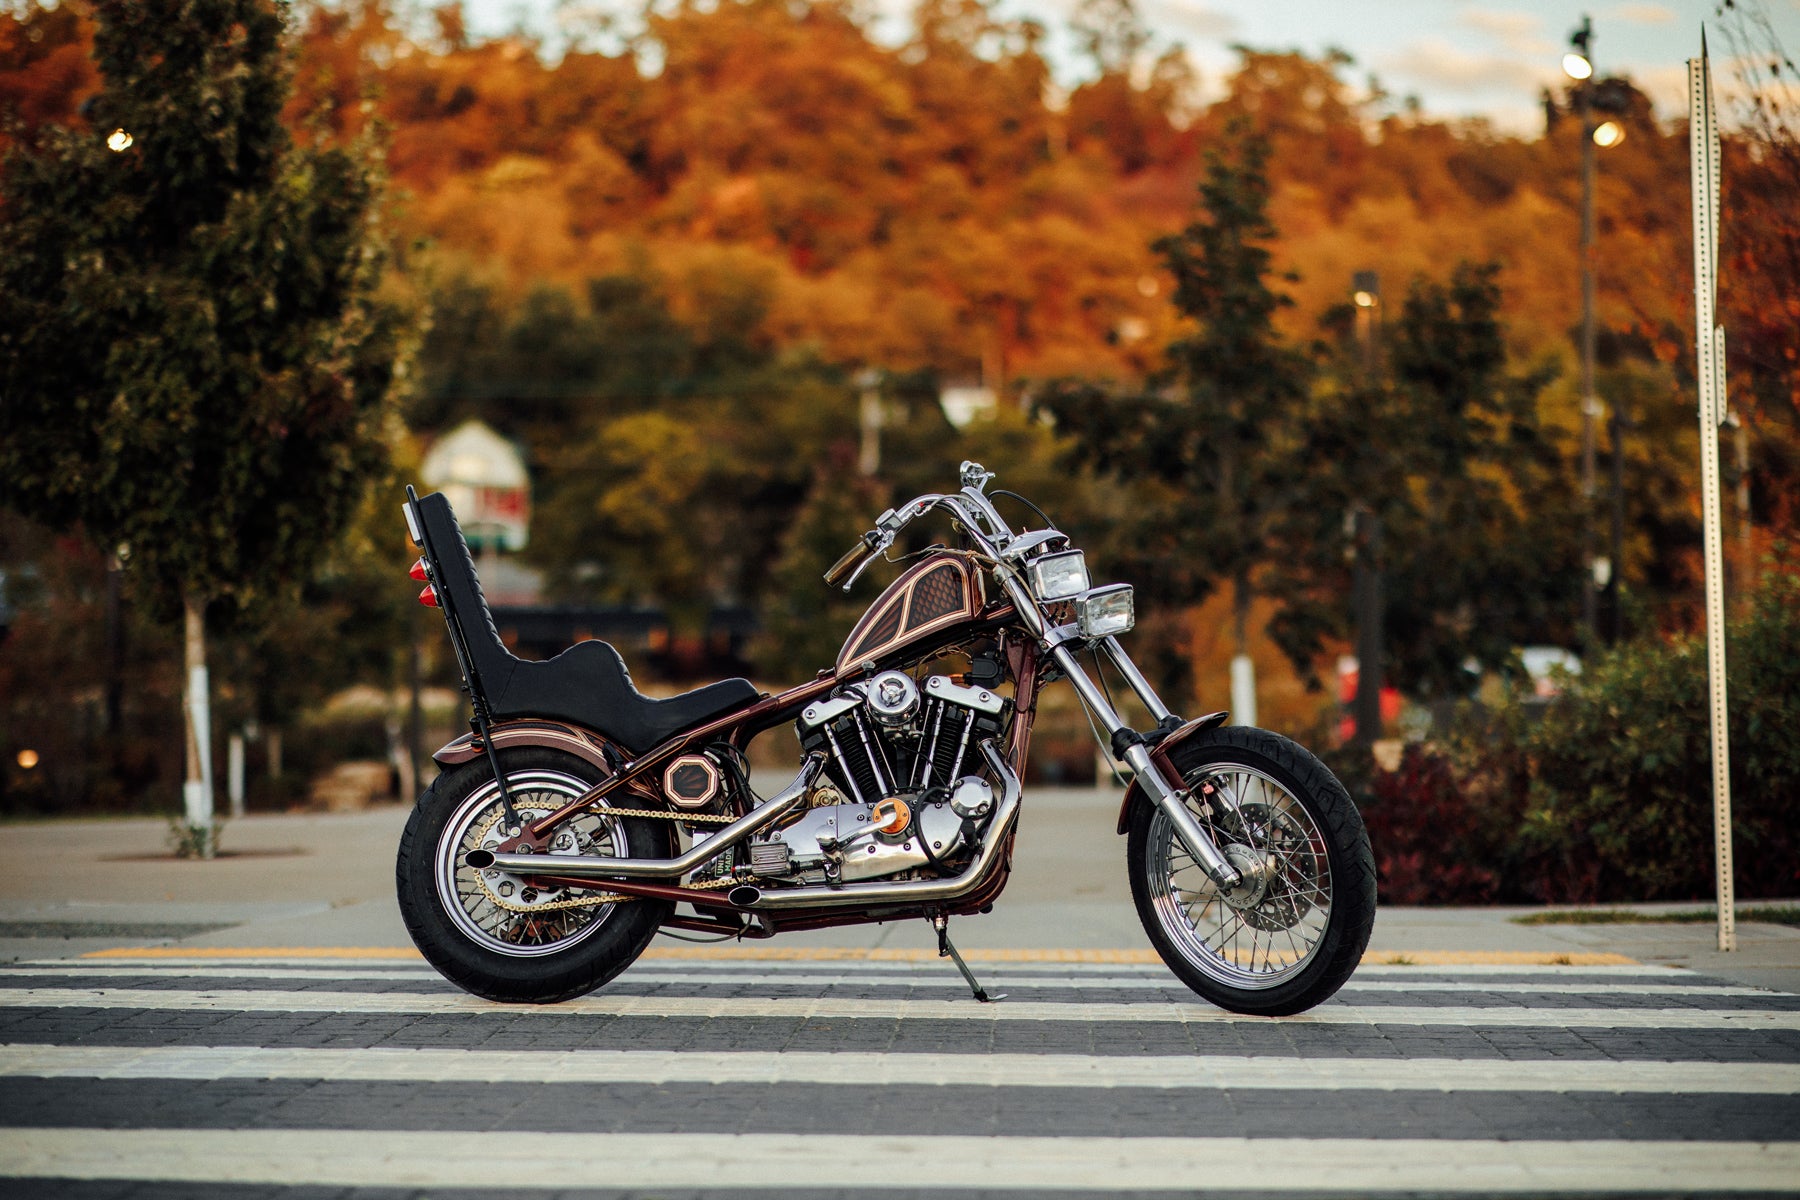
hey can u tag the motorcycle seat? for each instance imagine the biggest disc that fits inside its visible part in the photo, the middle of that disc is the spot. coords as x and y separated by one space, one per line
588 684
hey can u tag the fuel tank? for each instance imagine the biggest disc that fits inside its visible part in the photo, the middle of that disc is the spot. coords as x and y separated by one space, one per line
937 591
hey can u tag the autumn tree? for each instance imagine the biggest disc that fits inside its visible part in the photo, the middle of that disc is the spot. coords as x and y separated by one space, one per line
193 357
1759 277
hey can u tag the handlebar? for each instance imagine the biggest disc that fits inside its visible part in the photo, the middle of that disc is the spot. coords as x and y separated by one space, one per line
843 567
969 507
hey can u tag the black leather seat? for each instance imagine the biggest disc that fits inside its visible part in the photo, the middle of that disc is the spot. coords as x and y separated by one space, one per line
587 684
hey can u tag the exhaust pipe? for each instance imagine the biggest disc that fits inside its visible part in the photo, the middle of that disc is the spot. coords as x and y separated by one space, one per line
912 891
588 866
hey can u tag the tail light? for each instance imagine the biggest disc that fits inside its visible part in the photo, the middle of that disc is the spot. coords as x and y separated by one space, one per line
428 597
418 571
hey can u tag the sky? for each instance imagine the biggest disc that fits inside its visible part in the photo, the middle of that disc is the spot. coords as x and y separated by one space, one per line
1461 58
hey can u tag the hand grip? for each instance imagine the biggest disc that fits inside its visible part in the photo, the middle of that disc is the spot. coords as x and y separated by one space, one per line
841 569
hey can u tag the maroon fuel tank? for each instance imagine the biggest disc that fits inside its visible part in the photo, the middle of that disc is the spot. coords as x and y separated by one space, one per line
935 592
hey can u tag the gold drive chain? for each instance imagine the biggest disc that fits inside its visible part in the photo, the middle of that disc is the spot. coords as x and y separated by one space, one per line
607 897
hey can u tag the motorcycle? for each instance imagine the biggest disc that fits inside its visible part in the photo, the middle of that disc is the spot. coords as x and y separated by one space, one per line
567 826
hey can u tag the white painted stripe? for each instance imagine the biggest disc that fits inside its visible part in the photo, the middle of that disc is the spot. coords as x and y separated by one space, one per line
928 966
427 1065
933 979
801 1008
926 977
377 1159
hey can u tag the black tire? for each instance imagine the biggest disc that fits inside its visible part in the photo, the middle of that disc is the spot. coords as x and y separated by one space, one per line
532 958
1311 918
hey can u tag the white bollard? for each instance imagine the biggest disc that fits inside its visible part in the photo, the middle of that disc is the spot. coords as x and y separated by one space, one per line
234 773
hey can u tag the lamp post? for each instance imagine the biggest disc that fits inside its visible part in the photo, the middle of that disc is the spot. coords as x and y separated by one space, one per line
1591 96
1364 526
1578 66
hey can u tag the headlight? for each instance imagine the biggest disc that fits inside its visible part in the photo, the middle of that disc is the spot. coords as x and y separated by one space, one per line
1105 611
1059 576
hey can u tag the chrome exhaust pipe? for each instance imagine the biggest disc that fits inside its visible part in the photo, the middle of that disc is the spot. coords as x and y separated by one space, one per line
588 866
912 891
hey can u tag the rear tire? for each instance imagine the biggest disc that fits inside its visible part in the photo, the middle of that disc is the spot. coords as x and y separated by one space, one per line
1287 938
459 918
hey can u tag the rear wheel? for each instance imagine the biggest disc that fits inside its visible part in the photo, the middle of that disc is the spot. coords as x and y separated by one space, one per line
497 935
1290 934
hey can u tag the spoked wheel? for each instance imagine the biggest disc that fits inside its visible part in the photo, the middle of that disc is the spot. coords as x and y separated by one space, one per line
496 934
1289 935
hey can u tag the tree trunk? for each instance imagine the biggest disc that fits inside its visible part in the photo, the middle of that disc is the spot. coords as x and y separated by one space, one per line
115 647
197 792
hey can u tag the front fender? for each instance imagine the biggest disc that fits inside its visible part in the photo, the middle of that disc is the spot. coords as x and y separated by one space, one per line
1159 754
553 735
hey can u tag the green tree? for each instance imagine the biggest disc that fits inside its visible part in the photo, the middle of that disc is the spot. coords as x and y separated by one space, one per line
194 357
1217 433
1444 445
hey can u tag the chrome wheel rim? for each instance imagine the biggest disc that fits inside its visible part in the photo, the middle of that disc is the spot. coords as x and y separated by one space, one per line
1267 930
543 929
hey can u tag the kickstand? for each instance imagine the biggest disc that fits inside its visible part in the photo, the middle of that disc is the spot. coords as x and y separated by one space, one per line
941 923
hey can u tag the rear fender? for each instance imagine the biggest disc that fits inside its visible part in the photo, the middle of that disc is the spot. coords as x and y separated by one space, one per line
1159 754
552 735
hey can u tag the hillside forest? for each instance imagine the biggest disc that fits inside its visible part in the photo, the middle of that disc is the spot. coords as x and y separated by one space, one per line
669 266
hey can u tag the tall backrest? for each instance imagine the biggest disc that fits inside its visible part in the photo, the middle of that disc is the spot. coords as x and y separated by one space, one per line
459 593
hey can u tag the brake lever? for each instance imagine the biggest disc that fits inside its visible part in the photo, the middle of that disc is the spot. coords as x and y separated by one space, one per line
863 566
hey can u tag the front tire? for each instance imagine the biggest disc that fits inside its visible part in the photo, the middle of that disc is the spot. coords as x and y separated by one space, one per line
1291 934
488 932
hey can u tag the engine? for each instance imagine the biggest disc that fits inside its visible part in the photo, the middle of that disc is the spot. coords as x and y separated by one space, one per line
903 790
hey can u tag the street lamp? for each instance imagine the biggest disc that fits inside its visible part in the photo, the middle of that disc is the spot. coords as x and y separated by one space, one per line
1367 298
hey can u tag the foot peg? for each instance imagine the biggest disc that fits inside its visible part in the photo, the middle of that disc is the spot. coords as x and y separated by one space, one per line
941 923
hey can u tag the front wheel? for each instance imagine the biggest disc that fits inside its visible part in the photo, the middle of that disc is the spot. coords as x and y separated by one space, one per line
1290 934
498 935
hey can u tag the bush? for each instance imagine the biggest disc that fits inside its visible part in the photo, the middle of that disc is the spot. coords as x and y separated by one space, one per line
1435 841
1620 769
1605 795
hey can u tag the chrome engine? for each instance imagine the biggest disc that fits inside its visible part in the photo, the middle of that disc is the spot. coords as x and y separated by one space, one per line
901 792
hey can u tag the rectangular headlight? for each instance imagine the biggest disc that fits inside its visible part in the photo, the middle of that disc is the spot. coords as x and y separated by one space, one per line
1059 576
1105 611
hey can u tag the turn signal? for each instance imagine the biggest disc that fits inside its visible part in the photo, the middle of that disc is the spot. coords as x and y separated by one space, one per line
418 571
428 597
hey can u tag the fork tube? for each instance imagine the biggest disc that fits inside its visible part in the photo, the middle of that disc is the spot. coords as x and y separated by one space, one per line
1135 678
1137 755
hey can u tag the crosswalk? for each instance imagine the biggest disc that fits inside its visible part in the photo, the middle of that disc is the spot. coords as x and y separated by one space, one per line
184 1073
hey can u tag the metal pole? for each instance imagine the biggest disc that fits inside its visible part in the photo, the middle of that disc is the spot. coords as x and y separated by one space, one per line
1366 707
1590 403
1615 616
1710 344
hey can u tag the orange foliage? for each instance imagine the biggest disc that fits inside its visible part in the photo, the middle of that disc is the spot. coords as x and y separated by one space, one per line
935 204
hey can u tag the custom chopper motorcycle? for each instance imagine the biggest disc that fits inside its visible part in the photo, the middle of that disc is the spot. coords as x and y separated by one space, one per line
579 817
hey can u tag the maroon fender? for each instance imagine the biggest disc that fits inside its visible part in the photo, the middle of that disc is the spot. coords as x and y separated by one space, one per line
552 735
1159 754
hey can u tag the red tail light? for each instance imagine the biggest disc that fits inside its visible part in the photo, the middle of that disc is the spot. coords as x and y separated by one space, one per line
428 597
418 571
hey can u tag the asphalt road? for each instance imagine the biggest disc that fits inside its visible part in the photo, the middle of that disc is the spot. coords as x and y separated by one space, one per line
258 1027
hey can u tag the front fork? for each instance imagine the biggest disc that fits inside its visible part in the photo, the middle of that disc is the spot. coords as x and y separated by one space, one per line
1130 746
